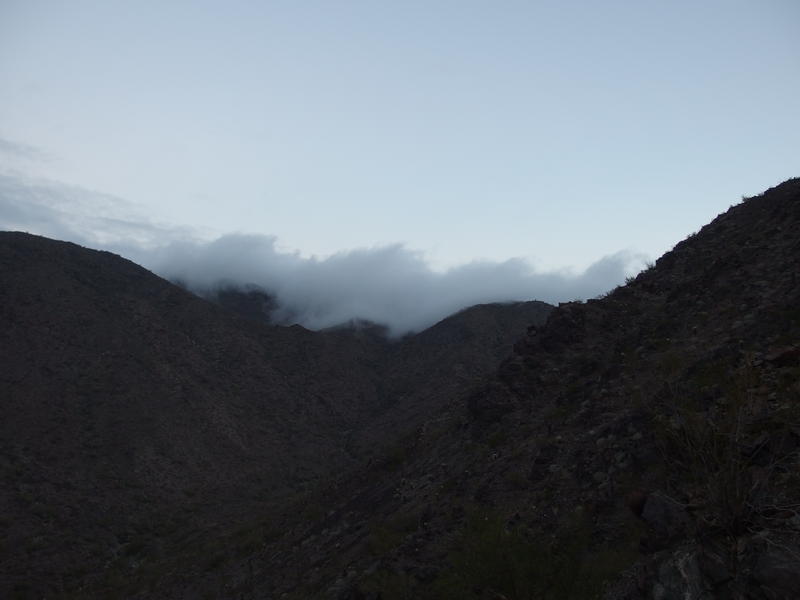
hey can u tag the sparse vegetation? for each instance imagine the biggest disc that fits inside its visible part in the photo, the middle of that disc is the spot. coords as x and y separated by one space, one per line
724 458
504 561
386 536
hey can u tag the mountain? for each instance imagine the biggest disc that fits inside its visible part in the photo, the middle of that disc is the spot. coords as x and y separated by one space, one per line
251 302
640 445
139 420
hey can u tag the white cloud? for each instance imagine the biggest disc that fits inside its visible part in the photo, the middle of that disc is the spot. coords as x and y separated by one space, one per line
17 150
76 214
391 284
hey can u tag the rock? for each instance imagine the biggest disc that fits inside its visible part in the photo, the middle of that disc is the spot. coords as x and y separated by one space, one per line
713 564
488 405
635 501
426 573
666 518
778 574
786 356
679 578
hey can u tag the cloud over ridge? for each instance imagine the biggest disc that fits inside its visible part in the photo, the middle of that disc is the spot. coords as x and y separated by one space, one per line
390 284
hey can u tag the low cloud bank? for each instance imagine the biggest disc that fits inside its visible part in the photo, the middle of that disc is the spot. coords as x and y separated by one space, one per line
391 285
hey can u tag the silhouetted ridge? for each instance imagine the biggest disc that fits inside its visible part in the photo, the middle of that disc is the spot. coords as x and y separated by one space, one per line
639 445
251 302
136 415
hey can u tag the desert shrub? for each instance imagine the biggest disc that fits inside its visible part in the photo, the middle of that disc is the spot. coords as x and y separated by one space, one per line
386 536
398 454
392 585
725 456
383 540
497 438
505 562
395 458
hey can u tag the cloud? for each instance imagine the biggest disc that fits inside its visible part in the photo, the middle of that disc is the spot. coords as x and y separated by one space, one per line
391 284
18 150
73 213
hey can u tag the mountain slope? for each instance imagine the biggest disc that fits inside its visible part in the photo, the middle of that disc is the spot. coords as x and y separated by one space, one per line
640 445
138 420
121 391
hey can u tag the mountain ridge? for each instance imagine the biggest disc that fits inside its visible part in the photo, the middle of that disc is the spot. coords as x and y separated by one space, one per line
639 445
121 391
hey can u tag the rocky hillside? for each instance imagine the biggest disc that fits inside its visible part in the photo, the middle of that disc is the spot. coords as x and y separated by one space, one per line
640 445
139 421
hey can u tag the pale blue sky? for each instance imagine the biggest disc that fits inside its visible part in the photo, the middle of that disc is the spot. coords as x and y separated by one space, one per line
559 132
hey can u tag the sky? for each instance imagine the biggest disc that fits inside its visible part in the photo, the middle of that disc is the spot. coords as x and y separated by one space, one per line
550 134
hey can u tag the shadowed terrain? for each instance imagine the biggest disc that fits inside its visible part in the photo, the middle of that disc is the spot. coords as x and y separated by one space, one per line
639 445
138 419
644 444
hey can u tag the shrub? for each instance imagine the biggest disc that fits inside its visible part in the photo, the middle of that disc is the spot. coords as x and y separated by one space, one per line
504 562
721 456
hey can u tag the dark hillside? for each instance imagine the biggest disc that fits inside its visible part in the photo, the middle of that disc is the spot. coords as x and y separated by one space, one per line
640 445
131 407
431 369
139 421
415 374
